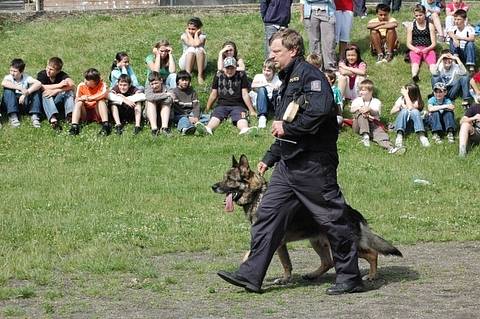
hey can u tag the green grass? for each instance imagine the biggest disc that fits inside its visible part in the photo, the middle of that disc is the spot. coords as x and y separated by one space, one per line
92 209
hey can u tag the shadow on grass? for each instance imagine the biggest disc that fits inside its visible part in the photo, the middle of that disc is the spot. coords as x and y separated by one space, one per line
386 275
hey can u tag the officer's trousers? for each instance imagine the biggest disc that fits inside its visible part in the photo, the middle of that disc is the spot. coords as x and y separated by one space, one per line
309 181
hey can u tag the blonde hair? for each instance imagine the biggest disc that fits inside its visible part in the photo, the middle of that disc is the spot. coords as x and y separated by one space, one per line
315 60
367 85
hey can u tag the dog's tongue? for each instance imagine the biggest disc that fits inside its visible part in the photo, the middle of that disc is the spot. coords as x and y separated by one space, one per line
229 203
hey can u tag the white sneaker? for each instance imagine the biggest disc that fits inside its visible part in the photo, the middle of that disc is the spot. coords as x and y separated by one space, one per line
253 131
262 122
14 122
462 150
436 138
399 140
450 137
397 150
366 140
424 141
36 121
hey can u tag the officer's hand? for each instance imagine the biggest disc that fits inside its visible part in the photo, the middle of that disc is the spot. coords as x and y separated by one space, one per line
277 129
262 168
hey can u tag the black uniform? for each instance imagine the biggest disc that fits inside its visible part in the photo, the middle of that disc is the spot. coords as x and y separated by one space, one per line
305 174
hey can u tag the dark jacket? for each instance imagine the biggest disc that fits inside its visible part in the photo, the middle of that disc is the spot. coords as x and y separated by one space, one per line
315 127
276 12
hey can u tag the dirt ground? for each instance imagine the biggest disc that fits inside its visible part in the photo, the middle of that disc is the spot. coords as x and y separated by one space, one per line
433 280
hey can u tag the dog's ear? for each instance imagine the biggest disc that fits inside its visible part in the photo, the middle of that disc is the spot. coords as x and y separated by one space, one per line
234 161
244 166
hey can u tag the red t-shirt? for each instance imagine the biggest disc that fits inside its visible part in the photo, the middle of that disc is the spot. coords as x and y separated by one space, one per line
344 5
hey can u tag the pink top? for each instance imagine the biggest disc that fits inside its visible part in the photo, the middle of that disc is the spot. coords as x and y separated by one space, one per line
451 7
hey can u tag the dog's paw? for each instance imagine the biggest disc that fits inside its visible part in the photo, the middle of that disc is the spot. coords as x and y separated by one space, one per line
282 281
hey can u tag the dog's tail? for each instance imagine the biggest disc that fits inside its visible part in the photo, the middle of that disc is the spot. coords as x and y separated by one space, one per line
370 240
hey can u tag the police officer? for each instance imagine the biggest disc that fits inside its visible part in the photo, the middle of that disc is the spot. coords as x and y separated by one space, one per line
305 154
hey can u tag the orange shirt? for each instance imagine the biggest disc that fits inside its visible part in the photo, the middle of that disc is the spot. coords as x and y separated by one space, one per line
84 90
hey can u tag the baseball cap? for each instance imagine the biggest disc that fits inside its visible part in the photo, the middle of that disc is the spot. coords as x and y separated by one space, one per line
229 61
439 86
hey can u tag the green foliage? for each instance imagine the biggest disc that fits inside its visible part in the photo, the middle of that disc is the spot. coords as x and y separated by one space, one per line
102 206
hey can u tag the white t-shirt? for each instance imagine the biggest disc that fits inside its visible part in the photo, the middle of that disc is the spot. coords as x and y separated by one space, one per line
374 104
449 76
467 31
259 80
24 81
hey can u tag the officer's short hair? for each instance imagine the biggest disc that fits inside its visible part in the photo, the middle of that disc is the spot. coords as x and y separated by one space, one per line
291 39
366 84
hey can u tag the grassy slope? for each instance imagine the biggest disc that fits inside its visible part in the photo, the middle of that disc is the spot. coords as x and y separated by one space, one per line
98 205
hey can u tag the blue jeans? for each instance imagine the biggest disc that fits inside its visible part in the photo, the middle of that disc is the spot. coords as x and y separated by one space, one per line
32 102
405 117
442 121
264 104
182 121
63 98
467 54
462 85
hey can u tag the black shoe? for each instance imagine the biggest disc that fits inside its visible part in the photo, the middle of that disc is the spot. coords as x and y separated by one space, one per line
56 126
416 79
155 132
239 281
119 129
189 131
166 131
74 130
343 288
106 129
137 130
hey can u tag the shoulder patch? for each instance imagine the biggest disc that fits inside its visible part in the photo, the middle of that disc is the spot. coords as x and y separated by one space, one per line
316 86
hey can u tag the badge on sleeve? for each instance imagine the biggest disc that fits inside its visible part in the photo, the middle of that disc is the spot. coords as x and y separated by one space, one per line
316 86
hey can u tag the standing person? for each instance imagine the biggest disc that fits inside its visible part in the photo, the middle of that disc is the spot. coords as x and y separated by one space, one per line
161 60
21 92
421 41
275 15
360 8
305 13
57 91
305 172
322 32
194 54
343 24
396 4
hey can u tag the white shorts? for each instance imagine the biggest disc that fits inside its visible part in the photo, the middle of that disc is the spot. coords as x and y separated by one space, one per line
183 58
343 25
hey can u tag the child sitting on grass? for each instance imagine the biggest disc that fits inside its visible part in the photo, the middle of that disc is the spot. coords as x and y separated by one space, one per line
462 40
366 118
126 104
441 117
21 94
158 101
408 108
265 87
186 107
121 65
90 104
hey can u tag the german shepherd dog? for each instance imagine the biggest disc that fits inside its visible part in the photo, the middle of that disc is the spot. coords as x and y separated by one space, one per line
246 188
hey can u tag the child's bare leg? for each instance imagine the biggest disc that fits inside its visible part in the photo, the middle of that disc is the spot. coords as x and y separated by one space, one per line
77 113
391 39
213 123
342 84
437 24
464 133
242 124
376 41
138 114
415 68
165 115
102 110
189 62
115 114
200 57
152 115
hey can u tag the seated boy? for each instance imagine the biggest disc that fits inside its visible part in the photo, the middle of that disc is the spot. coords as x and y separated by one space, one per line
90 104
469 129
265 87
186 107
126 104
441 117
21 94
450 71
230 91
158 100
462 40
57 91
383 33
366 118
